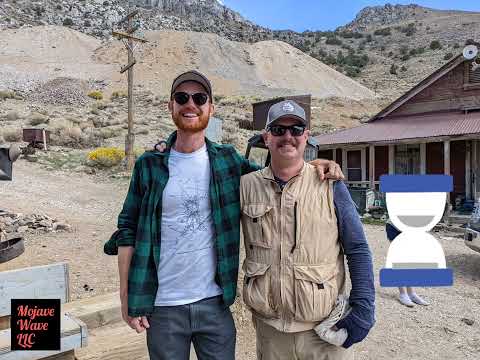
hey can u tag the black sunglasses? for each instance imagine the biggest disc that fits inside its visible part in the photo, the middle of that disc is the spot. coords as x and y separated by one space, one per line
280 130
181 98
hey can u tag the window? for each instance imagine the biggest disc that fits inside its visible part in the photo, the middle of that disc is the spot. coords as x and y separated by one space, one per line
471 77
407 159
354 165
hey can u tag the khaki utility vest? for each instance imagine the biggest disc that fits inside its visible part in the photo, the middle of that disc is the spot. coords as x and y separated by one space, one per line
294 266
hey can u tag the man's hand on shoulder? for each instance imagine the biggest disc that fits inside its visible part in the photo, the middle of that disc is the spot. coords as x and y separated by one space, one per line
328 169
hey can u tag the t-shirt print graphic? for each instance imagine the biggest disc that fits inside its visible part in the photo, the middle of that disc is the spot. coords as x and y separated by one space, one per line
192 218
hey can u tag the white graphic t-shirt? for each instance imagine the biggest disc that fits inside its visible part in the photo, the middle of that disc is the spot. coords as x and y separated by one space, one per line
187 268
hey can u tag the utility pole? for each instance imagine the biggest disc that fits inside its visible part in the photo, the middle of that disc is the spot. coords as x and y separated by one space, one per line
128 40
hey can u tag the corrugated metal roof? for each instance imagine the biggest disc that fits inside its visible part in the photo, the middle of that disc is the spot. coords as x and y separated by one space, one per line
406 127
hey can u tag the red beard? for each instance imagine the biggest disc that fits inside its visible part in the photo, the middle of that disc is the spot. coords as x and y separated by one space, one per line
189 126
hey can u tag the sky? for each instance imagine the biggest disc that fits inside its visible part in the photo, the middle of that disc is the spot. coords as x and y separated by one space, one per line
301 15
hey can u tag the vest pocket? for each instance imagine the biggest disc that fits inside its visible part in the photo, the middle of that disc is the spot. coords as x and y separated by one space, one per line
256 288
315 291
257 225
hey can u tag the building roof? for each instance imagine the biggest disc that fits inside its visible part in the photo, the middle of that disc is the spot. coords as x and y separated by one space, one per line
428 81
406 127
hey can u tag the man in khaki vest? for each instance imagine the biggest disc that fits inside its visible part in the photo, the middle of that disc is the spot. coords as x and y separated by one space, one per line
297 229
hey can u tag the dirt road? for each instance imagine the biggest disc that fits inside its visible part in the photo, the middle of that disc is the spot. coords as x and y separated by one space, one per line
90 205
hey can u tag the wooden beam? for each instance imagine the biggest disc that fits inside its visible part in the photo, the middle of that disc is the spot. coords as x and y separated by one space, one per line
468 171
121 35
37 282
73 335
475 169
363 163
126 67
372 166
391 159
344 163
446 157
423 158
334 155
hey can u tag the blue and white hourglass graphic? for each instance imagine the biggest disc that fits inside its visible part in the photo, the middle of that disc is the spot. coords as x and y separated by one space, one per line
415 205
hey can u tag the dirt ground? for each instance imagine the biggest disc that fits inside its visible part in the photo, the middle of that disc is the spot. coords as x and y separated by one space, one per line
91 204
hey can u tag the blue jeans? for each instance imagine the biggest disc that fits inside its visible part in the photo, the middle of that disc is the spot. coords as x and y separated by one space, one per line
207 323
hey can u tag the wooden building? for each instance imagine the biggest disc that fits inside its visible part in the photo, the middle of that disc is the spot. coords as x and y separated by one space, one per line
432 129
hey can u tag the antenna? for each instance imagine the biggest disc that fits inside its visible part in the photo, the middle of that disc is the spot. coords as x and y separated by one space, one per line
470 52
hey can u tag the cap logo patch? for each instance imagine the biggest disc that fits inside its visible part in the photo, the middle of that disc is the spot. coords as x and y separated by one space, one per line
288 107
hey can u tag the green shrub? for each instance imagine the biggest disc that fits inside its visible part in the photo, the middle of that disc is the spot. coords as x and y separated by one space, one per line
333 41
448 56
97 95
383 32
435 45
67 22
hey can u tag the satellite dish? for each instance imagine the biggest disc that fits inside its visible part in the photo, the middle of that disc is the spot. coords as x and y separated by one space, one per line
470 52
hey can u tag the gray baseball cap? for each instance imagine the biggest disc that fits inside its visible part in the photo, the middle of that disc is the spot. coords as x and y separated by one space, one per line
286 108
195 76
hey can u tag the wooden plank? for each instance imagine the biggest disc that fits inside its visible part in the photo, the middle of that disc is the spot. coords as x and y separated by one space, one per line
68 355
37 282
4 322
96 311
344 163
121 35
73 336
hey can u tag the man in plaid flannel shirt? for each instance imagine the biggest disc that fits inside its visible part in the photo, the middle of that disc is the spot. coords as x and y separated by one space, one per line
179 232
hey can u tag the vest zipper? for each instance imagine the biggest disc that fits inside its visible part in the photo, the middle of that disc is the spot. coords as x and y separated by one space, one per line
294 227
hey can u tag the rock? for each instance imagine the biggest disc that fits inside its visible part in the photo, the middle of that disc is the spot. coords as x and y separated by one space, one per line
61 226
469 322
45 223
22 229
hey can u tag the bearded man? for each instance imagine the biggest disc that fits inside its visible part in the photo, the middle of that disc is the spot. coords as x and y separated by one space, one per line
179 232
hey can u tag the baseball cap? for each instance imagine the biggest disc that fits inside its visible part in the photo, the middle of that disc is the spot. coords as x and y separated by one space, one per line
193 75
283 109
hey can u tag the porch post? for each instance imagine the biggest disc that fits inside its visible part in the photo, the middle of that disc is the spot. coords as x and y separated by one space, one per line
344 163
475 169
363 156
446 157
423 158
334 155
372 166
468 170
391 159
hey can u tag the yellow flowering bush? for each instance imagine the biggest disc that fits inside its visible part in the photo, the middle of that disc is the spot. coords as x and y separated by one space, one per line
106 156
97 95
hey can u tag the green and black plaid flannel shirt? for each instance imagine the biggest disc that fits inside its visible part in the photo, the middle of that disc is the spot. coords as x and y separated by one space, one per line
140 219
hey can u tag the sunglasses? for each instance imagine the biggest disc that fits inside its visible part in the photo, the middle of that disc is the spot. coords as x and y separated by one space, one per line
181 98
280 130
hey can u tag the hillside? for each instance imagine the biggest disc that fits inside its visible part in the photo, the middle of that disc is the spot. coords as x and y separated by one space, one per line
266 68
364 49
